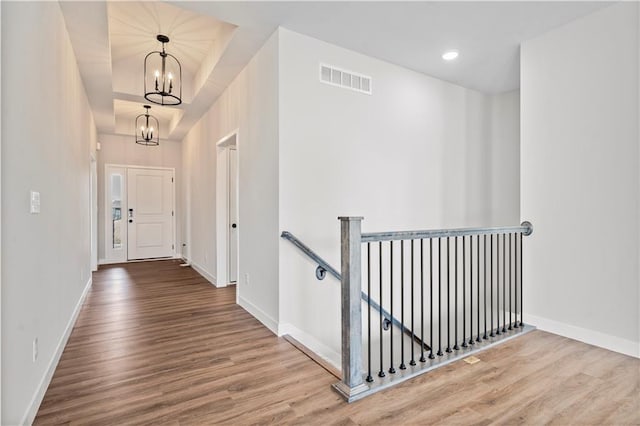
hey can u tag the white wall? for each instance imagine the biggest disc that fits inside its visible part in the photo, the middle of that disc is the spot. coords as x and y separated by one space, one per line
505 155
250 105
118 149
580 180
47 139
416 154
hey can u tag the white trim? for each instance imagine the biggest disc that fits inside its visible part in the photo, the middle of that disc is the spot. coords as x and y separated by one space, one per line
34 405
206 274
319 348
222 205
133 166
128 135
230 196
1 235
115 255
591 337
222 211
154 259
94 212
151 259
259 314
223 140
124 207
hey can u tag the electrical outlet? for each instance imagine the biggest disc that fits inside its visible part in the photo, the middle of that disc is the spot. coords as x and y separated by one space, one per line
35 349
246 278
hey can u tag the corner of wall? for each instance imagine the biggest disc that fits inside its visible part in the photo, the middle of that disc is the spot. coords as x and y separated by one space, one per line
38 396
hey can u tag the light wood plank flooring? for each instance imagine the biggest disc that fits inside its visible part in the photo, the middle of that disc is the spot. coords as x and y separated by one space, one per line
156 344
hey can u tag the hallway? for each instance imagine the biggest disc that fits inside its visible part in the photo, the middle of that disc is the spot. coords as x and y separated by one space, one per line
157 344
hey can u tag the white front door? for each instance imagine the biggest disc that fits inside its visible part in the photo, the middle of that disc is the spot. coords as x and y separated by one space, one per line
149 213
233 216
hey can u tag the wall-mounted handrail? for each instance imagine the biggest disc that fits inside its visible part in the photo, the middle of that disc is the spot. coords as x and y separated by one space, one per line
312 254
324 266
525 228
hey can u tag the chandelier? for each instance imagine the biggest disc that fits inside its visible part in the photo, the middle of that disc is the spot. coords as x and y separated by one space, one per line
148 125
162 76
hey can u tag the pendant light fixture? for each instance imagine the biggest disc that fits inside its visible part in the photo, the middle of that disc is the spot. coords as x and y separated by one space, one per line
147 129
162 76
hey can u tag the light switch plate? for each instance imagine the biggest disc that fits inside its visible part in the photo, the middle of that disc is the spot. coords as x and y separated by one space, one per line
35 202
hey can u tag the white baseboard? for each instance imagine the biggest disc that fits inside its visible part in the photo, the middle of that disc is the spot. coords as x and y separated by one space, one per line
259 314
30 415
206 274
596 338
155 259
322 350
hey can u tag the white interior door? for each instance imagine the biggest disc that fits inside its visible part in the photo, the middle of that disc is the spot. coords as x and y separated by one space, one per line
233 216
150 213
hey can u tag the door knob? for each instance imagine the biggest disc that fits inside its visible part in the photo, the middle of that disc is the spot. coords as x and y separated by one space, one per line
233 225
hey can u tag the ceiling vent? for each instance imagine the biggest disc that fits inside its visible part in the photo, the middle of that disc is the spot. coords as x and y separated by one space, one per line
345 79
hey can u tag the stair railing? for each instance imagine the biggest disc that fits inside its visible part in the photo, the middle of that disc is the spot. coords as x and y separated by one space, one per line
463 271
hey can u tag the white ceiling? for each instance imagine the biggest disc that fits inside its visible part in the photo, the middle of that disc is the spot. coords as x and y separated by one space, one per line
214 40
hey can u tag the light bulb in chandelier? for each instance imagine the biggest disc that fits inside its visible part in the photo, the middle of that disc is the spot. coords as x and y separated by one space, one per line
163 86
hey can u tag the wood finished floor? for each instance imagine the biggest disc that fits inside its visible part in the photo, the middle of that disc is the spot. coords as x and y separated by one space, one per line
156 344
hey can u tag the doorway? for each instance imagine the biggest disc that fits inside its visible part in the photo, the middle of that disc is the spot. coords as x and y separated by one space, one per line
139 213
232 219
227 211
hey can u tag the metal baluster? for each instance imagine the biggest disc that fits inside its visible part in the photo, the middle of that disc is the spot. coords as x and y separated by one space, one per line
464 291
369 377
491 280
471 341
448 302
521 288
504 288
510 283
402 366
478 339
431 355
381 372
391 368
439 297
422 358
413 327
455 284
484 254
515 279
498 332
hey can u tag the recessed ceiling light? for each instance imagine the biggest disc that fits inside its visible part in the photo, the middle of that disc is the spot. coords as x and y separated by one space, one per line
450 55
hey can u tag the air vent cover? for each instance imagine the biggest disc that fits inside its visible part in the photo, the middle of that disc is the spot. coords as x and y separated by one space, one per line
345 79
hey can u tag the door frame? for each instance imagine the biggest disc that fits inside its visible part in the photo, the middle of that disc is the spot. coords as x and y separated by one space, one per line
230 196
93 209
125 207
222 208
